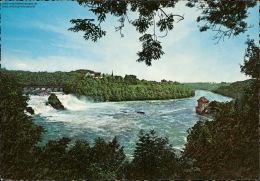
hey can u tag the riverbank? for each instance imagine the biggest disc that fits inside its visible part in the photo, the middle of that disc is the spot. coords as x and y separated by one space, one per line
235 90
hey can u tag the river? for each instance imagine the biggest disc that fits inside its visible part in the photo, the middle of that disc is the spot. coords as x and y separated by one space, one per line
84 119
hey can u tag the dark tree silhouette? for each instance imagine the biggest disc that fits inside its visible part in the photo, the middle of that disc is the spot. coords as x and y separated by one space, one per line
227 147
225 17
251 65
154 158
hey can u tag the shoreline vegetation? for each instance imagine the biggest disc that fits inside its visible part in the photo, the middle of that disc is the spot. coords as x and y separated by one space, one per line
234 90
208 142
105 87
210 86
113 88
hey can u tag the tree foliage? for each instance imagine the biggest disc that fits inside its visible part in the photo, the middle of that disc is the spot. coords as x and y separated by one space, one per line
95 31
105 88
152 49
154 158
235 90
128 89
18 134
227 147
225 17
58 160
251 65
147 13
211 86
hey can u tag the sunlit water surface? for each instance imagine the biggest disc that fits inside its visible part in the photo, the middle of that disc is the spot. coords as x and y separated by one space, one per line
88 120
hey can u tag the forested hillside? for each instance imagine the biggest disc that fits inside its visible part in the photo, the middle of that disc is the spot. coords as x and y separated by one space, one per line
205 85
105 87
234 90
43 78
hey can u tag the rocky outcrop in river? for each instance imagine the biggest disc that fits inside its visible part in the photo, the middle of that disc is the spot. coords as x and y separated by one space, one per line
30 110
55 102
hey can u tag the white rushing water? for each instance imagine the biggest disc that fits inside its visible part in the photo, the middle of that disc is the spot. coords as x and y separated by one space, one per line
88 120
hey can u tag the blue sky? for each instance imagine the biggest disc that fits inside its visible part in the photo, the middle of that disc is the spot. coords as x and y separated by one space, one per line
37 39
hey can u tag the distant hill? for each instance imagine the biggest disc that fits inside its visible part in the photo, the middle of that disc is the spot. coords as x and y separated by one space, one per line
234 90
205 85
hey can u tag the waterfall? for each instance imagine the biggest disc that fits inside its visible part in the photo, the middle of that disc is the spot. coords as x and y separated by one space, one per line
70 102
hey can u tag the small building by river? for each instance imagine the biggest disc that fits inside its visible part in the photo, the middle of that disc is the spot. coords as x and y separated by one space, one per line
203 104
